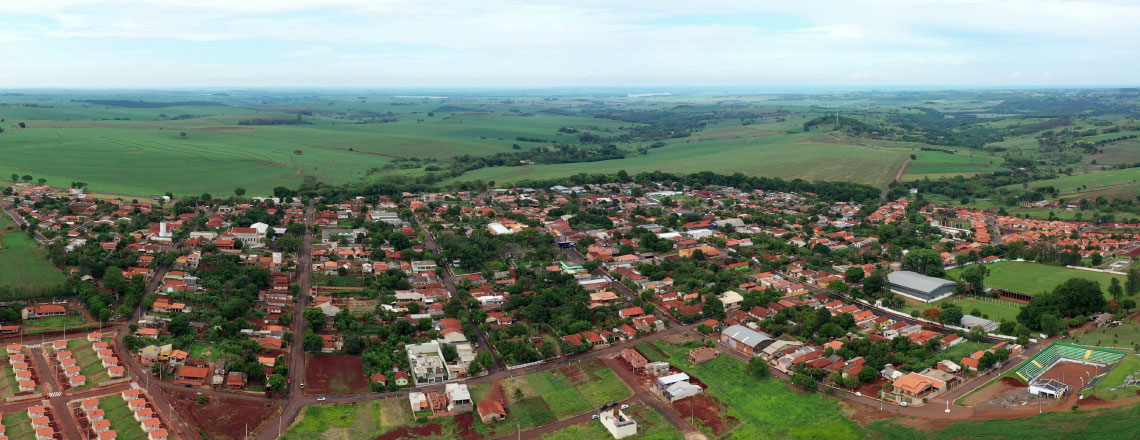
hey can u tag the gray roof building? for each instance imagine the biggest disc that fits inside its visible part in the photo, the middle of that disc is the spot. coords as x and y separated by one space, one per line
920 287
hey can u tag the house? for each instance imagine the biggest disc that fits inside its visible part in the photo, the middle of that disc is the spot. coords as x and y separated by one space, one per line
158 434
378 378
147 333
630 312
744 340
491 411
731 300
917 386
635 360
108 435
680 390
43 310
617 423
236 380
192 375
701 355
459 398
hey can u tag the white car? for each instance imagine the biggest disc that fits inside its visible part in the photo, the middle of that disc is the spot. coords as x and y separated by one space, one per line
904 404
594 417
624 406
320 399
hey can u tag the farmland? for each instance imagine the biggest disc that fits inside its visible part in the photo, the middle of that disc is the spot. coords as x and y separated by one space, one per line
1032 278
768 408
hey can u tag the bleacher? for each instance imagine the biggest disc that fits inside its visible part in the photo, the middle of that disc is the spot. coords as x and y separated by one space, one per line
1059 350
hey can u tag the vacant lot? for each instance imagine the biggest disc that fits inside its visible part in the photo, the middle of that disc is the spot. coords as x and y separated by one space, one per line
768 408
340 421
332 374
1032 278
223 418
1114 423
23 268
121 417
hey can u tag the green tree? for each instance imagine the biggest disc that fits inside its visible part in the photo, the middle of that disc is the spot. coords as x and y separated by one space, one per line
1132 282
758 368
314 317
239 191
1115 289
854 274
15 177
312 343
276 382
975 275
924 261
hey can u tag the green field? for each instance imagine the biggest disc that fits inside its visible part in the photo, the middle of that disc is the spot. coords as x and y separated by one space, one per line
57 322
934 165
650 426
23 266
122 419
1111 387
1125 336
993 309
808 156
345 421
1032 278
1108 424
549 396
17 425
769 408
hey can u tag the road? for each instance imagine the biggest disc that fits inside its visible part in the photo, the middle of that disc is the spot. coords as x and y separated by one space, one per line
627 292
654 400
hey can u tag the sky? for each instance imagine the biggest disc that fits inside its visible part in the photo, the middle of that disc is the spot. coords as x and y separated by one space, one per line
610 43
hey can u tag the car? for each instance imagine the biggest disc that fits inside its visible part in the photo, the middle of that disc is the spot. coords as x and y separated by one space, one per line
321 399
612 404
186 385
302 386
594 417
624 406
904 404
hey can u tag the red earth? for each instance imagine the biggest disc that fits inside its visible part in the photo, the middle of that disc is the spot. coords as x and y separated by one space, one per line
223 418
706 410
1071 373
331 374
466 422
1013 382
413 432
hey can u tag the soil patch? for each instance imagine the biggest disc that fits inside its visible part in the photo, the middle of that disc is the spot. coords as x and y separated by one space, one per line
1013 382
706 410
574 375
223 418
496 392
994 391
331 374
412 432
466 423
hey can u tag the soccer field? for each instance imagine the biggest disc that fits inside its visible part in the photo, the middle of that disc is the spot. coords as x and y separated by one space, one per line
1032 278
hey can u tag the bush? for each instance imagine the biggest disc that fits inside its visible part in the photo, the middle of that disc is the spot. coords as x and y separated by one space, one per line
202 400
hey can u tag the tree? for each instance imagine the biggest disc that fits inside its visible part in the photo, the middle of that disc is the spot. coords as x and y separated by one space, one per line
183 134
804 381
26 178
41 181
314 317
15 177
951 314
854 274
875 283
1132 282
276 382
239 191
975 275
924 261
977 333
312 343
758 368
1096 258
1050 324
1115 289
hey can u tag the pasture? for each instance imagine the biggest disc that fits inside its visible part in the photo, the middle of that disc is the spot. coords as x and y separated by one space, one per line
767 408
935 165
1113 423
1033 278
808 156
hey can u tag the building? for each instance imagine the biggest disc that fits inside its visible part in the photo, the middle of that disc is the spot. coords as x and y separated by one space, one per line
617 423
458 398
701 355
970 321
920 287
491 411
744 340
636 360
43 310
731 300
192 375
427 363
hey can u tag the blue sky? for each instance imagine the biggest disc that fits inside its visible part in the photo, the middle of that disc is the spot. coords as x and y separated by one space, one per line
497 43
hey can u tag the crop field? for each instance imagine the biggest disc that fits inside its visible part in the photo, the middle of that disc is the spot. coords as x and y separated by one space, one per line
1113 423
807 156
1126 181
1032 278
935 165
767 408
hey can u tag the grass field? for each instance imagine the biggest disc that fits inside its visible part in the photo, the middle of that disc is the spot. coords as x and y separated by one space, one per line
767 408
88 362
69 321
1032 278
650 426
23 265
549 396
809 156
1129 366
992 309
349 421
1109 424
17 425
122 419
934 165
1125 336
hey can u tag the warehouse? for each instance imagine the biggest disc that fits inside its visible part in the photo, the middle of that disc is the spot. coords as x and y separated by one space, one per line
920 287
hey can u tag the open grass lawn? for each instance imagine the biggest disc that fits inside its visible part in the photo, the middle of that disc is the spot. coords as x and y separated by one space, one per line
17 425
339 421
935 164
1033 278
593 429
88 363
993 309
1129 366
122 419
767 408
1126 336
23 266
1108 424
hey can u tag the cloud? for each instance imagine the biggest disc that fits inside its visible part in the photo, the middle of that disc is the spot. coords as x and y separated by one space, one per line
1015 75
583 42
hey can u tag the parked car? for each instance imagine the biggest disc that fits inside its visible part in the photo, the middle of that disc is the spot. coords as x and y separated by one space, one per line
302 386
624 406
321 399
594 417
